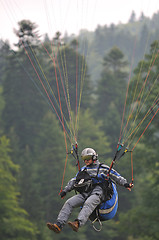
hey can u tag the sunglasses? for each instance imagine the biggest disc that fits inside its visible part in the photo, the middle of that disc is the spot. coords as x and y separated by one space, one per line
87 158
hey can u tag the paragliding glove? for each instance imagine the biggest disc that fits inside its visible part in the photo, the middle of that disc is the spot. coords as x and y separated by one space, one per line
128 186
62 194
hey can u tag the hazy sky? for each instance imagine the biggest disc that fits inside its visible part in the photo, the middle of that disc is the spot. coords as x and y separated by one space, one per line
69 15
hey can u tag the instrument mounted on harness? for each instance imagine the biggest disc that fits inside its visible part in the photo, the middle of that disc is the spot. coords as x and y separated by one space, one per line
83 182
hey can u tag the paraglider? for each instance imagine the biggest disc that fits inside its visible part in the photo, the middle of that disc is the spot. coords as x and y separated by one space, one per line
97 194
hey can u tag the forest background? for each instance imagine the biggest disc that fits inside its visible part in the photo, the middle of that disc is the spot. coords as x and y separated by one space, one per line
32 146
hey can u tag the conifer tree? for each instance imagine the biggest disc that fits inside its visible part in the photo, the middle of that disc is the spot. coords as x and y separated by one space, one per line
14 223
24 105
111 93
142 218
69 79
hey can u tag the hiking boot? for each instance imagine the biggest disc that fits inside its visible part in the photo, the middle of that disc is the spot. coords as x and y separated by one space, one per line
56 227
74 225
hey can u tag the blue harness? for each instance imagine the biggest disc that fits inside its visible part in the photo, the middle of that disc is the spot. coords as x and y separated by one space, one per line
107 209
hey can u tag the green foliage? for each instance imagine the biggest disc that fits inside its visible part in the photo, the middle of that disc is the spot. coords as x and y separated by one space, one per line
111 93
14 221
26 33
143 96
143 221
115 61
142 218
50 165
90 134
69 79
22 100
133 38
2 104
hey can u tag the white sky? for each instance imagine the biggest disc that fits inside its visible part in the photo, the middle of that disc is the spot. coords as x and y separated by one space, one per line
69 15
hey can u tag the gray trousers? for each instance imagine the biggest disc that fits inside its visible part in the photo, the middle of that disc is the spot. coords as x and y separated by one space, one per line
88 202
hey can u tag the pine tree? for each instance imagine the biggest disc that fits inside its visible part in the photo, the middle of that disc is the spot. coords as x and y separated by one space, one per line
26 33
69 80
24 105
142 218
91 135
14 223
111 93
50 151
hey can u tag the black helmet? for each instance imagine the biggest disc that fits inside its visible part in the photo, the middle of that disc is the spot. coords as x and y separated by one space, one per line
88 153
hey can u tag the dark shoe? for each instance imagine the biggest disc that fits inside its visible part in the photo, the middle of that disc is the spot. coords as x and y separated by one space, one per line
74 225
56 227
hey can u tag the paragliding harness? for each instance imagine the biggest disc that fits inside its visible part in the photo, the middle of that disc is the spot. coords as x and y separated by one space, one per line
108 208
106 186
83 182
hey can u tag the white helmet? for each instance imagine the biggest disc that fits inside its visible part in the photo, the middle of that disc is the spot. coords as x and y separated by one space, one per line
88 153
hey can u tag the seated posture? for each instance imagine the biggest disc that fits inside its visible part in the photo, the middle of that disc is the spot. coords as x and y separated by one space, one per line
94 187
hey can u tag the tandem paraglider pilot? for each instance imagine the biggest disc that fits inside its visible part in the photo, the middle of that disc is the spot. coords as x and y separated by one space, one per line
97 195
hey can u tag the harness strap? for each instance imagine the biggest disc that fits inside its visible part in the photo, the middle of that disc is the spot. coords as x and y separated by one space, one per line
98 169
